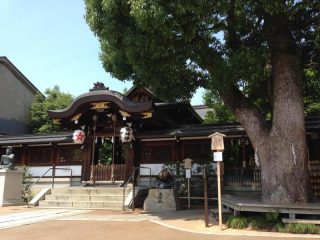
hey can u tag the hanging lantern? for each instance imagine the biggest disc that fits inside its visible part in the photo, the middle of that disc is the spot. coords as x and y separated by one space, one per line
126 134
79 136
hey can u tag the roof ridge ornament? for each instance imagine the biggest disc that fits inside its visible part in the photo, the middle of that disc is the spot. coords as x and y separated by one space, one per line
98 86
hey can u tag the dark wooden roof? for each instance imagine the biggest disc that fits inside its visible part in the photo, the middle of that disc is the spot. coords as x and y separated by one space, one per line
204 130
83 102
180 113
36 139
196 130
139 94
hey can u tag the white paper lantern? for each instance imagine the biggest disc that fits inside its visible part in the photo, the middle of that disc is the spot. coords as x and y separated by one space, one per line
126 134
79 136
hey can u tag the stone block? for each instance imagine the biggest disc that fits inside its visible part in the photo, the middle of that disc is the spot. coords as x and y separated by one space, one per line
10 187
161 200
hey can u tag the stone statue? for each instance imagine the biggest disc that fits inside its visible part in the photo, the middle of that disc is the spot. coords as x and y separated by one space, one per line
7 159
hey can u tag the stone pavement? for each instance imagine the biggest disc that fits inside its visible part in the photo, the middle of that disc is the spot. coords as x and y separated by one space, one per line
191 221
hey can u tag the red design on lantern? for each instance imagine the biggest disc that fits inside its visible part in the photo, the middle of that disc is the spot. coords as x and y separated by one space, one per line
79 136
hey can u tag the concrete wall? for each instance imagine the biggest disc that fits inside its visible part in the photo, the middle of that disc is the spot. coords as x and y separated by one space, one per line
16 98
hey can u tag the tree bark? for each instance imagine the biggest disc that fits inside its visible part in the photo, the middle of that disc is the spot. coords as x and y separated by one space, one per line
284 166
281 148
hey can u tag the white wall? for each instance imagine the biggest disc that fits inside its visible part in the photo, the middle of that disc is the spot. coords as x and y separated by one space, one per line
38 171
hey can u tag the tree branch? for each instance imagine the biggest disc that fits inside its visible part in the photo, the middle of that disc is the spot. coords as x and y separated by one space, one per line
233 40
247 114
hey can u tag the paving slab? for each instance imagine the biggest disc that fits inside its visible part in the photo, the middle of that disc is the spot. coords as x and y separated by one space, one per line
189 221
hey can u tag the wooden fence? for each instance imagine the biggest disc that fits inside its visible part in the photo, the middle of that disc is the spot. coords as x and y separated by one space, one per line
242 177
103 172
314 173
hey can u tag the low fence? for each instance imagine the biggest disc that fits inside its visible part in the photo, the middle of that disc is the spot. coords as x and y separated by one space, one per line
242 177
314 173
104 172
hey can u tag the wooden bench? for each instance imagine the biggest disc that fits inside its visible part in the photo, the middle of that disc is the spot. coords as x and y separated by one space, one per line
304 221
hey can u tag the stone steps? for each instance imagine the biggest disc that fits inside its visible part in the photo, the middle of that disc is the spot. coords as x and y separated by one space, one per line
86 198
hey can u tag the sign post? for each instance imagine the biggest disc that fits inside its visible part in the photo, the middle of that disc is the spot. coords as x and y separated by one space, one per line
187 167
217 146
205 196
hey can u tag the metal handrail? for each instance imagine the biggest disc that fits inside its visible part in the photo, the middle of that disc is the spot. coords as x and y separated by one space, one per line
133 183
149 176
53 176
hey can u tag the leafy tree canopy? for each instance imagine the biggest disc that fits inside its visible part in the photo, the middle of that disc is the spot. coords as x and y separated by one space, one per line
259 56
219 113
170 45
51 100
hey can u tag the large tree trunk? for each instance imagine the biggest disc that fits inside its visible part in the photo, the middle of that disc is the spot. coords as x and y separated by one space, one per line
281 147
283 154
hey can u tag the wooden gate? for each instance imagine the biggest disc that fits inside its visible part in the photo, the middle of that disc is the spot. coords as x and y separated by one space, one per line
103 172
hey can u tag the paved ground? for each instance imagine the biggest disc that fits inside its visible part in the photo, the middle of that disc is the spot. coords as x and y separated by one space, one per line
50 224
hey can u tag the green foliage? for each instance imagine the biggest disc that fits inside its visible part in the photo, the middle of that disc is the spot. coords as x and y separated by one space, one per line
53 99
312 90
237 222
300 228
170 45
267 221
220 113
271 221
125 90
25 183
105 152
313 110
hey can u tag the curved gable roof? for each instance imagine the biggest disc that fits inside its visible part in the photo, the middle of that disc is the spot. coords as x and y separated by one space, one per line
100 96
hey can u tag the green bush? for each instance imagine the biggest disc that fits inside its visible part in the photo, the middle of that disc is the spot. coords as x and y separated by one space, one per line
272 218
237 222
25 183
271 221
300 228
259 223
267 221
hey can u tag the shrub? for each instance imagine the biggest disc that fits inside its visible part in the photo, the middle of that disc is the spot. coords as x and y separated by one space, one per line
272 218
25 182
237 222
300 228
259 223
267 221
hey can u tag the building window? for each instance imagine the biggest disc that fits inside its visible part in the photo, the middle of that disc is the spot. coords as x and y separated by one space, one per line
157 153
197 151
314 147
40 155
69 155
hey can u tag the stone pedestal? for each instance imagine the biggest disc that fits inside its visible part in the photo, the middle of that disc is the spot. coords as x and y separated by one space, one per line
161 200
10 187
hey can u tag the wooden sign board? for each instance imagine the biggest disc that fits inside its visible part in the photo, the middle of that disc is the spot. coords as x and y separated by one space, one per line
217 141
187 163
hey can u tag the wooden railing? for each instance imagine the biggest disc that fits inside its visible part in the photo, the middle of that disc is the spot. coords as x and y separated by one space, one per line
314 173
103 172
242 177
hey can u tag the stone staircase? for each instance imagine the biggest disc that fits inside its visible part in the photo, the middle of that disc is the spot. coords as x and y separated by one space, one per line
110 197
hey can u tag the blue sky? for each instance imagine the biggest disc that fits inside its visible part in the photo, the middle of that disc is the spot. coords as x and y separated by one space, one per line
51 44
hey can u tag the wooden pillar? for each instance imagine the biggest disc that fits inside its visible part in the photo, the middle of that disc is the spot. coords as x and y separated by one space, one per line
129 159
54 154
86 158
24 155
177 155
